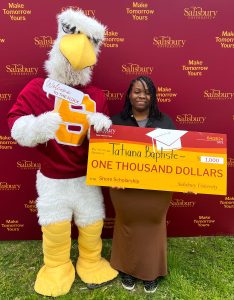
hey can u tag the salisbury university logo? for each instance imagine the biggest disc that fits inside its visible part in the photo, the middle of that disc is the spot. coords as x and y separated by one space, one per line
136 69
199 13
21 70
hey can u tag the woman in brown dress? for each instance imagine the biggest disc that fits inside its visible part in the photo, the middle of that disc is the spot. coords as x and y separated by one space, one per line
139 249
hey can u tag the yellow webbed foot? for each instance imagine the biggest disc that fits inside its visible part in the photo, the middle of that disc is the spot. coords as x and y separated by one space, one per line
91 267
95 272
55 281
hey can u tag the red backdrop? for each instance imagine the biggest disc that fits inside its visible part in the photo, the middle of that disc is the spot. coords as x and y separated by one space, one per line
185 46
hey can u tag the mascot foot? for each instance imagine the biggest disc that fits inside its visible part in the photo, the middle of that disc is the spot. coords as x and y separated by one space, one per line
91 267
101 273
55 281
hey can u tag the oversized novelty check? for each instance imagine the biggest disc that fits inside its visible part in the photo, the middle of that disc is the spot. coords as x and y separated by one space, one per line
158 159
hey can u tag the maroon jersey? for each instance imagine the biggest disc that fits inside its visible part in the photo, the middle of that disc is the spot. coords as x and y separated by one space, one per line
60 159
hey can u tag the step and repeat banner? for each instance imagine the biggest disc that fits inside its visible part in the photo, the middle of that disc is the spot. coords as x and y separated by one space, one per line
185 46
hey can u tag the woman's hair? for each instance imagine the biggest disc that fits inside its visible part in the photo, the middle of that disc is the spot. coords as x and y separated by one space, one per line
153 110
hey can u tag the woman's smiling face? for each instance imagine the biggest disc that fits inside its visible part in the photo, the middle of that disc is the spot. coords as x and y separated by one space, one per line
140 97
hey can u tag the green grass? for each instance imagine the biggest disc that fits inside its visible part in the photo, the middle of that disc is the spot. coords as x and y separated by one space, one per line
200 269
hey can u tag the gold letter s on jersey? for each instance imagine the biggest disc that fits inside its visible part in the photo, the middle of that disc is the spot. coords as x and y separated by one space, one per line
75 125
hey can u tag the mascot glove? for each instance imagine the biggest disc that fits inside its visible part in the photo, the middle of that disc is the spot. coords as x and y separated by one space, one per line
99 121
30 130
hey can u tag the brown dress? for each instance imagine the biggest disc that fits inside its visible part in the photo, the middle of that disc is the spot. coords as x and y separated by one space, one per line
140 240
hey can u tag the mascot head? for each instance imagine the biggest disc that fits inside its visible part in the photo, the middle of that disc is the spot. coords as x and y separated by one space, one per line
75 50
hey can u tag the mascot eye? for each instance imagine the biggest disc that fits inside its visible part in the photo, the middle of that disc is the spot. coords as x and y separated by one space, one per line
96 41
67 29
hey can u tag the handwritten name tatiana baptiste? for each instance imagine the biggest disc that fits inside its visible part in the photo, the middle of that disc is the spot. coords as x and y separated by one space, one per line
121 150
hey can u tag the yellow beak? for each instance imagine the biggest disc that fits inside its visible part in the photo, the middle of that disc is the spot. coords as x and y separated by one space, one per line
78 50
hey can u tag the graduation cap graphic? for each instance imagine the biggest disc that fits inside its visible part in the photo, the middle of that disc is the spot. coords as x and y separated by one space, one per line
166 139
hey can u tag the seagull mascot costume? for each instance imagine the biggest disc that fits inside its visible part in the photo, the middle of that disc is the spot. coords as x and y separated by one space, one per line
54 115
